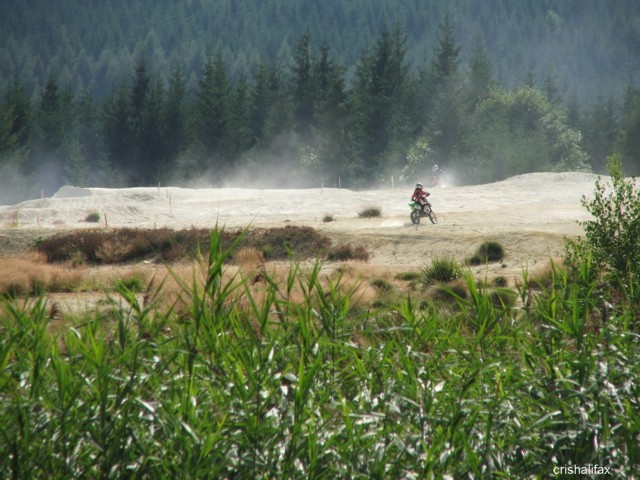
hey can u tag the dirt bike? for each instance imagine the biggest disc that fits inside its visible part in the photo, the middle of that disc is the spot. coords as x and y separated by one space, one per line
417 212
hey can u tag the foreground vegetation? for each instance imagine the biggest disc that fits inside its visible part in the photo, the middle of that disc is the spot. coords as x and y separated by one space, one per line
230 383
293 378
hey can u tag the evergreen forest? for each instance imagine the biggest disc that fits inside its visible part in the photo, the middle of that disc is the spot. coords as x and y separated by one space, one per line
305 93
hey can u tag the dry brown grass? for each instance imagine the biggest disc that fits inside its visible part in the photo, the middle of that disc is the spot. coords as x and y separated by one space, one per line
171 287
29 276
363 281
543 276
11 220
94 276
250 262
346 251
350 279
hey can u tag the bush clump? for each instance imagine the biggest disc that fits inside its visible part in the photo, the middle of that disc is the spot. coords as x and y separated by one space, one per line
441 270
408 276
24 277
370 212
611 238
166 245
503 297
93 217
346 251
450 293
381 285
134 283
487 252
500 281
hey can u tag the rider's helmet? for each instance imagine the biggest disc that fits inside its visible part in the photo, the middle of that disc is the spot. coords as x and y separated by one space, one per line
419 185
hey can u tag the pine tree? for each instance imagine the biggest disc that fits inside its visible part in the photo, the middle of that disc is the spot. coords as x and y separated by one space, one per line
17 101
53 137
88 140
380 105
139 94
629 142
331 98
11 156
447 114
117 135
240 137
480 76
574 111
551 89
153 163
8 139
330 119
447 53
271 112
50 126
212 113
361 110
601 129
303 86
530 77
175 116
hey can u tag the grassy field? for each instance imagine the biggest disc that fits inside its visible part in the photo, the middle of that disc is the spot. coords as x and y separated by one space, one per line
246 377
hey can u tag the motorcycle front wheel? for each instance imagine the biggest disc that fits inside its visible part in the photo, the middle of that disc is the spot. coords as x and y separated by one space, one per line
415 217
433 217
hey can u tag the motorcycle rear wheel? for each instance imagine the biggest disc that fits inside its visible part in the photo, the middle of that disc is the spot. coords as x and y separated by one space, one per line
415 217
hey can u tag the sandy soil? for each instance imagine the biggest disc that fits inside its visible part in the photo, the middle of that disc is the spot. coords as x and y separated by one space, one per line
529 215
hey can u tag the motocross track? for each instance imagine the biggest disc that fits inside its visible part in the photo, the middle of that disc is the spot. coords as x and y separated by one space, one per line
529 215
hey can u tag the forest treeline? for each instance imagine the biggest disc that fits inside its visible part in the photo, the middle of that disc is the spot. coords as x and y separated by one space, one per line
302 122
590 45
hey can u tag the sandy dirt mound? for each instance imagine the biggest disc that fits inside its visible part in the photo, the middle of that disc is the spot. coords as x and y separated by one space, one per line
529 215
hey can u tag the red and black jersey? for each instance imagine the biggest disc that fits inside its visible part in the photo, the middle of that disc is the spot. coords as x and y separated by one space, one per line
418 193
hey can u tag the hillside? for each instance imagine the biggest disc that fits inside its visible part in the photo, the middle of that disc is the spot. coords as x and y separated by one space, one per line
589 46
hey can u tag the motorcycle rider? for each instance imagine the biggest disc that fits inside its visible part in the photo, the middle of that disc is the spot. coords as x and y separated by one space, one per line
420 196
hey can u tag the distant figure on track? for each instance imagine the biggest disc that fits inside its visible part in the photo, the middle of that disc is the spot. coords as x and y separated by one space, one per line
437 173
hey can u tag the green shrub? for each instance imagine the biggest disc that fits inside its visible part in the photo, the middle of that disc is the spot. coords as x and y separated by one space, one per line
93 217
267 251
487 252
492 251
503 297
327 218
611 238
442 269
450 293
500 281
408 276
381 285
370 212
134 283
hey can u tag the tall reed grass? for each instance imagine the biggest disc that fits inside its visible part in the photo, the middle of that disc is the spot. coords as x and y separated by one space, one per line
315 388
